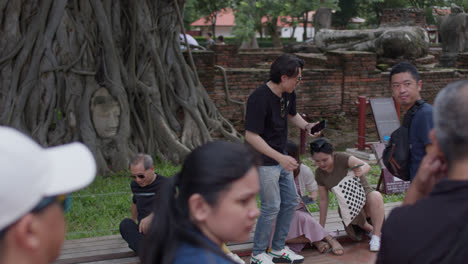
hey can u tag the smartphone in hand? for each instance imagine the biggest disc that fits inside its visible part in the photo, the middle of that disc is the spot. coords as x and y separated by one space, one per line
318 127
307 200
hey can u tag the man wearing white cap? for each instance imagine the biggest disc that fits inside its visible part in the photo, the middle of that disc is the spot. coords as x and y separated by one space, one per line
34 182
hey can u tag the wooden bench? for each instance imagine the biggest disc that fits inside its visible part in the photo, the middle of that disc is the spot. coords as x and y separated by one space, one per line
113 249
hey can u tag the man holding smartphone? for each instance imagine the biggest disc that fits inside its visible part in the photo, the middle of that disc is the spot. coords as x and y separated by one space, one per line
269 108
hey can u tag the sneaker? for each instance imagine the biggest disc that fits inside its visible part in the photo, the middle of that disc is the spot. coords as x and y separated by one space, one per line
286 256
262 258
236 258
374 243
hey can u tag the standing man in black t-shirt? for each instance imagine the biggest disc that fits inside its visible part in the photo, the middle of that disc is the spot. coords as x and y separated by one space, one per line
269 108
145 186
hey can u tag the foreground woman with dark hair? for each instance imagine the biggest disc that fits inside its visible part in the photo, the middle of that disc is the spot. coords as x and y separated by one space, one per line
212 201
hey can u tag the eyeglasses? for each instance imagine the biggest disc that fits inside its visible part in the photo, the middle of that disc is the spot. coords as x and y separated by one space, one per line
317 144
139 176
299 79
63 200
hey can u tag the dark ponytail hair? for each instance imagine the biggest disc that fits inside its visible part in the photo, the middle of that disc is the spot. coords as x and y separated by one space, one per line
321 145
209 170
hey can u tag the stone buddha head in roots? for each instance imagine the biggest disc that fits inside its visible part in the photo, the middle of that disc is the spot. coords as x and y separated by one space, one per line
105 113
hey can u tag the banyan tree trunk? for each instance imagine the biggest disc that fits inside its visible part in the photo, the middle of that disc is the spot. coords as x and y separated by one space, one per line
108 73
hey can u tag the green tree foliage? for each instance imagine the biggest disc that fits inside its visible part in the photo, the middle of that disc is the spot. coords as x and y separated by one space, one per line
372 10
249 13
210 9
191 13
348 9
247 20
300 9
426 3
461 3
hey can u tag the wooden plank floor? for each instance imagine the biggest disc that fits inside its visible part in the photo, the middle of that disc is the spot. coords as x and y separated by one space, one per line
113 249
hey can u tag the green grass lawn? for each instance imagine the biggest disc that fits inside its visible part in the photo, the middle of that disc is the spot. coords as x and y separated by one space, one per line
98 209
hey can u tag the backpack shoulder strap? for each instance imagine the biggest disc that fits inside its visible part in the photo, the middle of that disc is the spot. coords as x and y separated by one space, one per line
409 115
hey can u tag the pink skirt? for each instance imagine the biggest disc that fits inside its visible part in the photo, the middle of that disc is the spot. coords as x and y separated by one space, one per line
304 224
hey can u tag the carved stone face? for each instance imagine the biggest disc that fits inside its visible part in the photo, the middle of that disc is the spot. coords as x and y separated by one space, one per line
105 113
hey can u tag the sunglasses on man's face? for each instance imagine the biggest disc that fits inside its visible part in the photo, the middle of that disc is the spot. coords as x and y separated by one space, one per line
139 176
44 203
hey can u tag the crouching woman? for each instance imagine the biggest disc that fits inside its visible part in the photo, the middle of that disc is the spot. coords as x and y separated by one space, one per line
332 168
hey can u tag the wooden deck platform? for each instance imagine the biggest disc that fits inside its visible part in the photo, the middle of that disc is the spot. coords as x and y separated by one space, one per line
113 249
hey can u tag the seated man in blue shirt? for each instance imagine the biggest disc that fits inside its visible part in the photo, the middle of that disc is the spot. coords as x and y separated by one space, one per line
145 186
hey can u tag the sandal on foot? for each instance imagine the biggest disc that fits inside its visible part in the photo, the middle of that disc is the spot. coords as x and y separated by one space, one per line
322 246
336 247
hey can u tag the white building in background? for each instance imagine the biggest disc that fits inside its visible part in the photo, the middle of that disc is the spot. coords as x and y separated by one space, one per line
226 21
298 34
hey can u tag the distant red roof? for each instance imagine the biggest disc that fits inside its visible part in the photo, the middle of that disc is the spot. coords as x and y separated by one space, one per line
226 18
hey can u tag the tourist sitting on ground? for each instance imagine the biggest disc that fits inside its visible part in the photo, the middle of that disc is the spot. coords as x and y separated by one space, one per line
209 40
431 225
332 168
211 202
33 189
146 186
304 228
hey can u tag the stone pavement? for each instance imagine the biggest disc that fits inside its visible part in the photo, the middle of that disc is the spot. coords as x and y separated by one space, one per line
355 253
113 249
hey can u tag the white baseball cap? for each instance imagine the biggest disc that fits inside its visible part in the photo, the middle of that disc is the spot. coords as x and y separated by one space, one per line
29 172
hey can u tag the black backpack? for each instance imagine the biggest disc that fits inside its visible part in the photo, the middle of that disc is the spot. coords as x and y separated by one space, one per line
396 155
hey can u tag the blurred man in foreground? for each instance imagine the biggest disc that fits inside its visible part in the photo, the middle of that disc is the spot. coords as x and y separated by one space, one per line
34 184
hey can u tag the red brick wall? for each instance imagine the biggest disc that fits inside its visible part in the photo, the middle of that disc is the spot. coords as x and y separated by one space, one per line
204 62
403 16
327 90
462 60
230 56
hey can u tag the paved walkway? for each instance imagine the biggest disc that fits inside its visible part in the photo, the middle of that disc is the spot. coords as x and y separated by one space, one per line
112 249
355 253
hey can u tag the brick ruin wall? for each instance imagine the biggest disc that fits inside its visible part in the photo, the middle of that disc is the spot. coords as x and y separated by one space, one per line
331 83
403 16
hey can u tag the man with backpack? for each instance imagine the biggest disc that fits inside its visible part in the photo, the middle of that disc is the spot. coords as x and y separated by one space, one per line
431 225
413 136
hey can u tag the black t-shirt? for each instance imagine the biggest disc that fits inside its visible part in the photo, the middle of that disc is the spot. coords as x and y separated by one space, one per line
267 116
428 230
144 197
